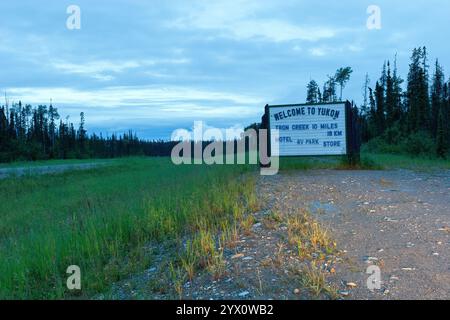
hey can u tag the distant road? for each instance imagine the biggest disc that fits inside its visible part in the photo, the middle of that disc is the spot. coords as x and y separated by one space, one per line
56 168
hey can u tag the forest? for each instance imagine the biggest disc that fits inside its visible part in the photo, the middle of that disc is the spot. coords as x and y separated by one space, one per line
399 116
28 133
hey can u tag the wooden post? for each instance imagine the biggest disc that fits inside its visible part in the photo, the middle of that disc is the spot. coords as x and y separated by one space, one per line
353 135
265 125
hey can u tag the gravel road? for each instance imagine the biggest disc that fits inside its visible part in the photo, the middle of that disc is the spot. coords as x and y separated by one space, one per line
398 220
20 171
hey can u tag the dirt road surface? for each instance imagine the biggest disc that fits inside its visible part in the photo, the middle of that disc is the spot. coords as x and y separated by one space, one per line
21 171
398 220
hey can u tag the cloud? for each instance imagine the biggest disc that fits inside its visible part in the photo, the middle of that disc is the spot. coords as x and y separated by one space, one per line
222 60
324 50
141 101
106 70
240 20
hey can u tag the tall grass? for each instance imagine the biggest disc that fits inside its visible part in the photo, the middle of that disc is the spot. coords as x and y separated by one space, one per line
100 219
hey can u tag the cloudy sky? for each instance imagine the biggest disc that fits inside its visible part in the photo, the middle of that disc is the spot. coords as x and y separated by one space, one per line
154 66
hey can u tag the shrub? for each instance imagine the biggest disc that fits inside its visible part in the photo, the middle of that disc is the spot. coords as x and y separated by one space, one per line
419 143
393 142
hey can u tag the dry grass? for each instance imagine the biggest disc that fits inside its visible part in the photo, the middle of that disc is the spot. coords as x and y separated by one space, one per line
272 220
247 224
314 279
308 235
313 243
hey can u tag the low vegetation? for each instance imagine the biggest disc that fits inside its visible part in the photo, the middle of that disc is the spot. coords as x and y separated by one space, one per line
103 219
369 161
314 246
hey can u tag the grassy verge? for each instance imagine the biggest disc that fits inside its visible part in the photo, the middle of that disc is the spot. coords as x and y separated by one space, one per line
100 219
391 161
369 161
326 162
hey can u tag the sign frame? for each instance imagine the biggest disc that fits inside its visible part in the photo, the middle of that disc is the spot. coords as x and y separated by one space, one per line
351 129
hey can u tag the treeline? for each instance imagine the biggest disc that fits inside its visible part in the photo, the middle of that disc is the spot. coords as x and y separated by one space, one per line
28 133
398 118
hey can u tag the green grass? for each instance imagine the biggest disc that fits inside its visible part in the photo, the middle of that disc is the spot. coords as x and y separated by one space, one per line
100 219
369 161
391 161
309 163
326 162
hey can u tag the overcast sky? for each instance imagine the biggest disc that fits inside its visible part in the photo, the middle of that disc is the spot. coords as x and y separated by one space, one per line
154 66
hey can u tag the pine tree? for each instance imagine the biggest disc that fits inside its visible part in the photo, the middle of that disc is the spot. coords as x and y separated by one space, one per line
397 94
372 117
365 106
53 116
342 77
313 92
390 97
417 91
446 110
329 90
437 97
82 136
380 108
441 135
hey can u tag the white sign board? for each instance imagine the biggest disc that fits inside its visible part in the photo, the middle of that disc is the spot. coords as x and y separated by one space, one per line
309 130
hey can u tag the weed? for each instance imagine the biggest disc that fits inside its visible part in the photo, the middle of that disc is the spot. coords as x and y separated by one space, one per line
247 224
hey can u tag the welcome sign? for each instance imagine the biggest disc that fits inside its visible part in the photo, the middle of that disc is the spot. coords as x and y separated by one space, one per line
310 129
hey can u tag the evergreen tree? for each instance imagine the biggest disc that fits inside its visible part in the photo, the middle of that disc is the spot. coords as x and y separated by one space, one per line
396 94
365 107
82 135
313 92
372 117
379 109
390 98
446 110
441 139
342 77
412 90
437 98
329 90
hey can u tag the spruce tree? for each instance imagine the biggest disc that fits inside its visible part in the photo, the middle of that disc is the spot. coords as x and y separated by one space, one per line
312 95
390 98
441 135
437 97
417 92
380 108
397 94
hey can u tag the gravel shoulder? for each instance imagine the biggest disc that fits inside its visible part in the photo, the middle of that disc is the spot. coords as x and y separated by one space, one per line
397 220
